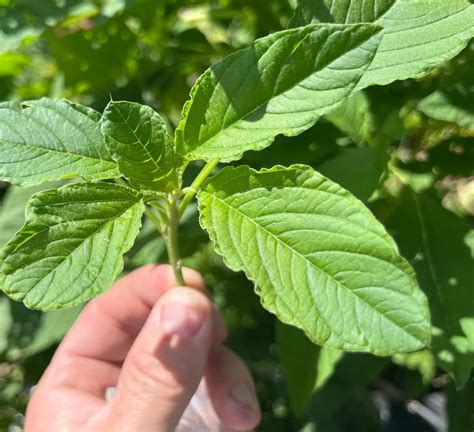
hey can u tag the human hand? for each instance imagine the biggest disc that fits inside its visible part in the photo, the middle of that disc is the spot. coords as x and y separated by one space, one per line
162 350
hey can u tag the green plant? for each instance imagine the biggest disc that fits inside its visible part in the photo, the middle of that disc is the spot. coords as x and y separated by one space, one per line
319 259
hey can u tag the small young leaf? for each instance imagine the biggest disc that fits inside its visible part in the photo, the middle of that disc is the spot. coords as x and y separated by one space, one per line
70 248
420 361
280 85
418 35
49 139
451 107
319 259
137 140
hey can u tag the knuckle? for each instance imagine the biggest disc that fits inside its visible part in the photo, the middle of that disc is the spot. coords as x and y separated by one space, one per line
147 373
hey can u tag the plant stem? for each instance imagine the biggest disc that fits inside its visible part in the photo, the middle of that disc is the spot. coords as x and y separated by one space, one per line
172 240
197 183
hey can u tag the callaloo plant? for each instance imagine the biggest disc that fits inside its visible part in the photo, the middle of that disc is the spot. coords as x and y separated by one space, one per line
319 259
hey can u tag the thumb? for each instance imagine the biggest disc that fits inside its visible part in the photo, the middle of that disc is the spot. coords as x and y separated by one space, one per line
165 364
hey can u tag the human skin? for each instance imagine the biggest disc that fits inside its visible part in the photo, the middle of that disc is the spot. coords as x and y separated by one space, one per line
161 347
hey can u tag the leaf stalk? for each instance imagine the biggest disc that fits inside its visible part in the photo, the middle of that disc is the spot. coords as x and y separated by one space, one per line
196 184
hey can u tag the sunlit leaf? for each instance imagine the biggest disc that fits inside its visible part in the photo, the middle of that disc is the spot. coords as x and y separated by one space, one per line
319 259
51 139
137 140
418 34
280 85
70 248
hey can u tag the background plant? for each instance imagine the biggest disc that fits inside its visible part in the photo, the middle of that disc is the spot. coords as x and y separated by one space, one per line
413 173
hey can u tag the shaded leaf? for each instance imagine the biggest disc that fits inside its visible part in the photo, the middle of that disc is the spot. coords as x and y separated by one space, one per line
431 237
5 323
354 118
454 108
461 407
52 327
319 259
343 403
356 169
12 211
306 366
70 248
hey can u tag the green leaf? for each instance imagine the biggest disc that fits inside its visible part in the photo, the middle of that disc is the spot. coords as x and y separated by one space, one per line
451 107
52 327
418 35
319 259
33 331
70 248
306 366
421 361
280 85
51 139
137 140
354 118
5 323
431 237
12 211
344 401
356 169
460 407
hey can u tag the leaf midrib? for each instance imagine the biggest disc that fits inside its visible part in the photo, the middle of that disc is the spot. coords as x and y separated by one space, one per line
312 264
140 141
429 259
47 150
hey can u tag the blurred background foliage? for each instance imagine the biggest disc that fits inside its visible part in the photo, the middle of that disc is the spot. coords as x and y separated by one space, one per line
406 150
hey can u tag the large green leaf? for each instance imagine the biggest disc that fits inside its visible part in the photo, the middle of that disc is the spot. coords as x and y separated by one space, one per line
418 34
51 139
280 85
70 248
319 259
432 238
137 140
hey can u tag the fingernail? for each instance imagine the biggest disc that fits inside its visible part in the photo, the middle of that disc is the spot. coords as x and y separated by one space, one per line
243 395
181 319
